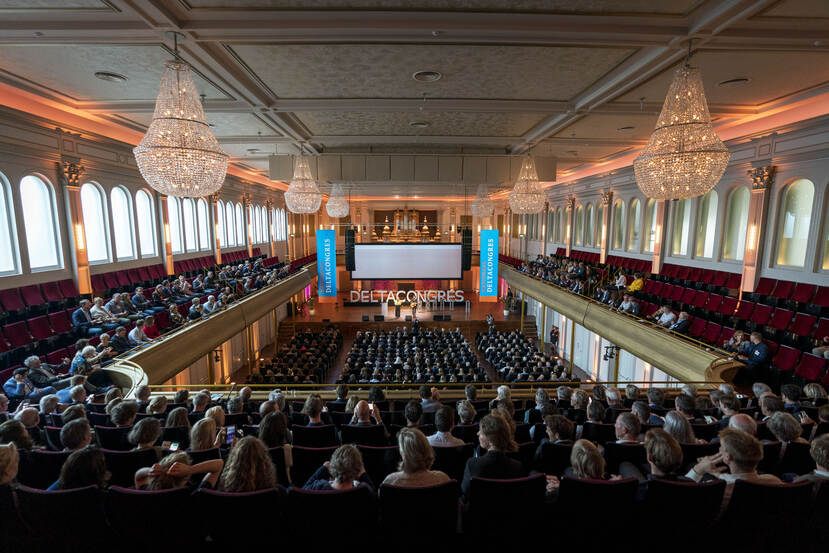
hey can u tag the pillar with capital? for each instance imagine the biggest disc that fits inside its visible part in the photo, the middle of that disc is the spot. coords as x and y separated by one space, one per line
246 202
544 220
168 241
71 171
217 244
604 234
762 179
658 243
269 212
568 236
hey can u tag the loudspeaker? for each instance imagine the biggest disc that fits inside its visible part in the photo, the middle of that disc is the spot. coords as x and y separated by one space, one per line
408 318
447 317
349 250
379 318
437 317
466 249
365 318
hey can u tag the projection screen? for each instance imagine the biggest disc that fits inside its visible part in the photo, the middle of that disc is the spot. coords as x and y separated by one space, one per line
407 262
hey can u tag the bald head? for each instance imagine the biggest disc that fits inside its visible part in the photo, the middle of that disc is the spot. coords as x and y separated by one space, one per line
362 412
245 393
743 422
29 417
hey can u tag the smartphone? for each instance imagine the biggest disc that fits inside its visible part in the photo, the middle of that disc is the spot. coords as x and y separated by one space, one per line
371 407
173 446
709 419
231 433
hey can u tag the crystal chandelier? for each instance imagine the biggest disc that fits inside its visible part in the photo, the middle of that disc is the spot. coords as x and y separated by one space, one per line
179 156
482 206
527 195
684 157
303 195
337 204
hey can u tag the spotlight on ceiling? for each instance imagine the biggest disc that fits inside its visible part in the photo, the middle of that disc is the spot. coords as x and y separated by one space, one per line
427 76
110 76
735 82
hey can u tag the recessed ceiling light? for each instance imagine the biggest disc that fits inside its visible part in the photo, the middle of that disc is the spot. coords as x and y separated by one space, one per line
427 76
626 128
736 81
110 76
419 124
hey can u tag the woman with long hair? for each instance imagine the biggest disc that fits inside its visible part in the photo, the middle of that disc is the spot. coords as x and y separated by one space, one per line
678 426
417 458
586 461
203 435
249 467
84 467
496 437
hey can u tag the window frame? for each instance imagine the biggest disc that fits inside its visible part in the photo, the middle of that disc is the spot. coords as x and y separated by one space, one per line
739 240
241 238
152 224
634 227
619 209
103 204
782 202
203 224
130 210
711 226
187 204
177 229
11 226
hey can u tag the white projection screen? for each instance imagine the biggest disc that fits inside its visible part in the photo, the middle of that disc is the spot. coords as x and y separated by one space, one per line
407 262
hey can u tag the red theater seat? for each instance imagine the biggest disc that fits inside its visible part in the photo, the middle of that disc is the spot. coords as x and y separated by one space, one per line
786 358
39 328
780 319
11 300
803 324
783 289
810 367
712 334
68 288
745 310
60 322
17 334
765 286
51 292
31 295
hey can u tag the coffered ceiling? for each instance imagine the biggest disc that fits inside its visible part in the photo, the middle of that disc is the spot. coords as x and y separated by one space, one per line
580 80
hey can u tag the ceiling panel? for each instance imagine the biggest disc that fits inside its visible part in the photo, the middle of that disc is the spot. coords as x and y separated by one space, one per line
385 70
773 75
53 4
578 151
355 123
611 126
673 7
69 69
222 124
807 9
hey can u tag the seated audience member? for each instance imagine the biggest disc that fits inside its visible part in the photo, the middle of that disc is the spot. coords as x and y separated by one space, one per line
217 414
145 434
729 405
14 431
495 437
30 419
444 422
738 343
740 454
9 462
84 467
627 428
756 359
249 467
344 471
86 363
196 311
629 305
586 461
418 457
43 375
637 284
466 412
86 322
664 456
150 329
430 401
100 312
814 392
532 416
313 408
595 412
20 386
178 418
73 412
643 413
823 349
786 429
157 405
210 305
682 323
48 405
200 402
665 316
175 471
791 394
413 413
136 335
678 426
743 422
656 400
769 405
123 414
120 343
471 392
363 415
204 435
686 405
820 454
273 431
76 434
176 319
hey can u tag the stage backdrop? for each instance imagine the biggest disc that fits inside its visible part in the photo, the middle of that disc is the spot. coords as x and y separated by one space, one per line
326 263
489 265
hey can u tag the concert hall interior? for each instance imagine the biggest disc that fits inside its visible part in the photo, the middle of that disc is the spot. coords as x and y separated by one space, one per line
419 272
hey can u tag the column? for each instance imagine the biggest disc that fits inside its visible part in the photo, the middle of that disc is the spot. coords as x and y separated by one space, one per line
168 243
658 245
217 244
80 261
568 236
607 199
270 226
246 213
544 220
762 179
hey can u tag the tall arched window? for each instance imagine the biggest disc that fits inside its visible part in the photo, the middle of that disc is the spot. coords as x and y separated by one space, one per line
260 236
588 225
188 211
597 240
736 223
146 223
283 225
578 225
825 264
230 222
204 234
122 224
95 223
634 224
794 222
220 223
240 226
40 222
8 241
707 224
650 224
682 227
174 217
618 225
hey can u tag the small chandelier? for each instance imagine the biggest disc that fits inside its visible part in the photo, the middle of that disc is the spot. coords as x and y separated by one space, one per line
179 156
527 196
337 204
303 195
482 206
684 157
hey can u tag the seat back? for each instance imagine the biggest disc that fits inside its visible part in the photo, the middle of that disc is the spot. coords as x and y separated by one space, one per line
142 518
692 452
796 459
810 367
113 438
39 468
307 460
380 461
599 433
452 460
576 496
60 322
615 454
363 435
552 458
315 436
122 465
466 432
257 515
51 292
696 504
66 511
436 508
497 500
356 510
31 295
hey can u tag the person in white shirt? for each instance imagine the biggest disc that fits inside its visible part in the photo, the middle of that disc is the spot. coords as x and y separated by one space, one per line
444 422
98 311
210 305
136 335
665 316
820 453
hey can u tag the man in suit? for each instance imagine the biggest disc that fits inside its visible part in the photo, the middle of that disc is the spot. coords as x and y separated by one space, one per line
430 401
495 437
682 324
756 359
120 343
83 320
820 453
20 387
43 375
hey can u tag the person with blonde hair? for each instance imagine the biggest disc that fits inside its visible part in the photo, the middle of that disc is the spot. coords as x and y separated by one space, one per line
145 434
157 405
217 414
496 437
174 471
344 471
249 468
586 461
820 454
814 391
9 460
418 457
203 435
680 428
178 418
351 403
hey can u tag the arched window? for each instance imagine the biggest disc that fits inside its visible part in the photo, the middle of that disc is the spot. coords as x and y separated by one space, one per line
578 225
174 217
95 223
794 222
122 224
736 223
230 221
825 264
650 224
634 224
240 226
707 224
188 211
252 224
599 225
682 227
588 225
8 241
260 236
40 222
273 226
618 225
204 234
220 223
283 225
146 223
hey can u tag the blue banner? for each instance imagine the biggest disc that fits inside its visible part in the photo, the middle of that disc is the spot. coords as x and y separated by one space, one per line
326 263
489 263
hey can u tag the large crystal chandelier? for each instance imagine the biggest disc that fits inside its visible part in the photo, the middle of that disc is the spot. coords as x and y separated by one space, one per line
527 195
337 204
482 206
303 195
179 156
684 157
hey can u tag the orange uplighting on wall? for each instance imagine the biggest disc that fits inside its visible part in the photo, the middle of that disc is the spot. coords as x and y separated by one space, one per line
751 242
167 233
80 241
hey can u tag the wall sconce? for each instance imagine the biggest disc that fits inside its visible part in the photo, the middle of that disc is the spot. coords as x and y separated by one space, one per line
217 355
80 241
610 352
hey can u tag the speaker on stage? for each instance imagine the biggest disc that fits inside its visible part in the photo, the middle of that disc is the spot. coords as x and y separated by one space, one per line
349 250
437 317
365 318
466 249
379 318
408 318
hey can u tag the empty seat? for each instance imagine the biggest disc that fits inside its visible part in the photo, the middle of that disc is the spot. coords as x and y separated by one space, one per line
697 504
803 324
66 511
733 281
760 314
51 292
697 327
822 329
810 367
765 286
712 334
780 319
783 289
363 435
31 295
688 295
11 300
728 306
68 288
39 328
786 358
700 299
803 293
17 334
144 518
60 322
577 495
